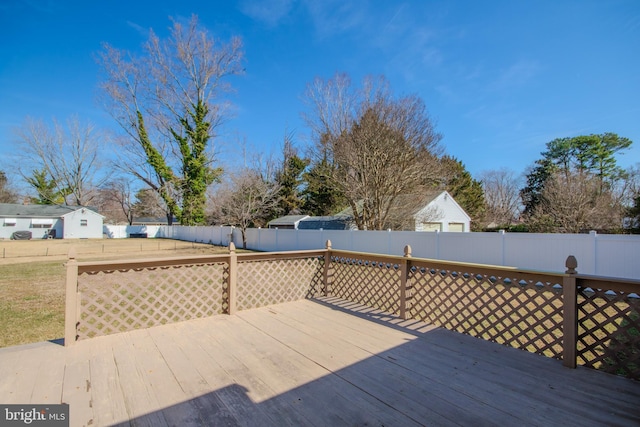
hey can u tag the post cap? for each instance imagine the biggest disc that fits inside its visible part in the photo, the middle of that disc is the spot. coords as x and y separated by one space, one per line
571 263
407 251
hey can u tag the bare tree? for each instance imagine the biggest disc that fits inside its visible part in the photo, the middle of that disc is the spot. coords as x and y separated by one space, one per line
7 195
148 203
502 196
574 203
379 147
115 198
245 200
69 155
169 103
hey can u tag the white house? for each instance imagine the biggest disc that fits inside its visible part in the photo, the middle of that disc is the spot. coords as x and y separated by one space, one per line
442 213
50 221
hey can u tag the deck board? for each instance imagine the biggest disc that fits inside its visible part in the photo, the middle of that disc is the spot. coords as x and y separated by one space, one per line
312 362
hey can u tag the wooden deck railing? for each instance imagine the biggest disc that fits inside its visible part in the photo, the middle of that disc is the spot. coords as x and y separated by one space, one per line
591 321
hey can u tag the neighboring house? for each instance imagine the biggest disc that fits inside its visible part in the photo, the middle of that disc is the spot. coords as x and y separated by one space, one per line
50 221
289 222
442 213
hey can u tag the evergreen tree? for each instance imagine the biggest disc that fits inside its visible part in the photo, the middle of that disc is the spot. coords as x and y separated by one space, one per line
321 198
49 193
466 190
592 155
289 179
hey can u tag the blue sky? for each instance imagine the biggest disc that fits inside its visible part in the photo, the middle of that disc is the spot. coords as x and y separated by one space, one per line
500 78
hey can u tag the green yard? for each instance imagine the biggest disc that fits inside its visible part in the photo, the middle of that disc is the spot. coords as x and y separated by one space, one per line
32 279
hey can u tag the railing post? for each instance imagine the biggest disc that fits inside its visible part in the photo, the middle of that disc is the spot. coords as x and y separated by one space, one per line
72 300
327 265
233 278
404 281
570 314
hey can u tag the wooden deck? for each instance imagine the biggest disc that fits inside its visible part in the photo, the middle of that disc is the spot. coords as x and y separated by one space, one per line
312 362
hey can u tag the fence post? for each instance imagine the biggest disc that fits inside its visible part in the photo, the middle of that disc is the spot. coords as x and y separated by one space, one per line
594 244
327 266
72 300
233 278
570 314
404 281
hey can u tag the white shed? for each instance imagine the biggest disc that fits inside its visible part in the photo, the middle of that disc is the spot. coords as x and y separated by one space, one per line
442 213
50 221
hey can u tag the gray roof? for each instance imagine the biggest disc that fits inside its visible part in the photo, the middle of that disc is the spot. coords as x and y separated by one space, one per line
153 220
49 211
325 223
288 220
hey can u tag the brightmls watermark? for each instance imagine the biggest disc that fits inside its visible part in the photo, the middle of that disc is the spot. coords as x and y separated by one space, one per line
35 415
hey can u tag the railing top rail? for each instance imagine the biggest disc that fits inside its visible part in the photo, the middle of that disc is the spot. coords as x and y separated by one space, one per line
98 266
608 283
278 255
446 264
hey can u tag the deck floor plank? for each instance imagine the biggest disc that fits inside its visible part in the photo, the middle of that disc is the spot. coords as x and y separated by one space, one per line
313 362
106 391
489 371
141 403
257 374
431 402
76 389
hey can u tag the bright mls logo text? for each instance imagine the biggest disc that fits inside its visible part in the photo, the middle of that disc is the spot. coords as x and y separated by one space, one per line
41 415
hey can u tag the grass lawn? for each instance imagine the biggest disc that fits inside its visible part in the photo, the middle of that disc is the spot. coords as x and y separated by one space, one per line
32 283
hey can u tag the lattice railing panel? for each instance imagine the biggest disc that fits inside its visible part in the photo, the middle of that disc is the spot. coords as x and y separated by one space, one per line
262 283
511 310
124 300
609 331
368 282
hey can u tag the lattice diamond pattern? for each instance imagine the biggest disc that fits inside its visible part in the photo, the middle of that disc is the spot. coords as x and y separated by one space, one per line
366 282
120 301
609 331
506 310
262 283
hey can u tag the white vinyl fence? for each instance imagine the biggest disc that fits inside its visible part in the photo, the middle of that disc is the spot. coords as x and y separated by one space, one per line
597 254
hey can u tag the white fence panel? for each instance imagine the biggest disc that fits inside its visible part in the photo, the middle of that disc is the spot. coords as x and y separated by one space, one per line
548 251
423 245
123 231
308 240
604 255
616 256
363 241
340 239
470 247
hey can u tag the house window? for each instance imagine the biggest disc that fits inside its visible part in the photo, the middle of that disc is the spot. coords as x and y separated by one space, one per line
41 223
83 223
10 222
456 226
431 226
